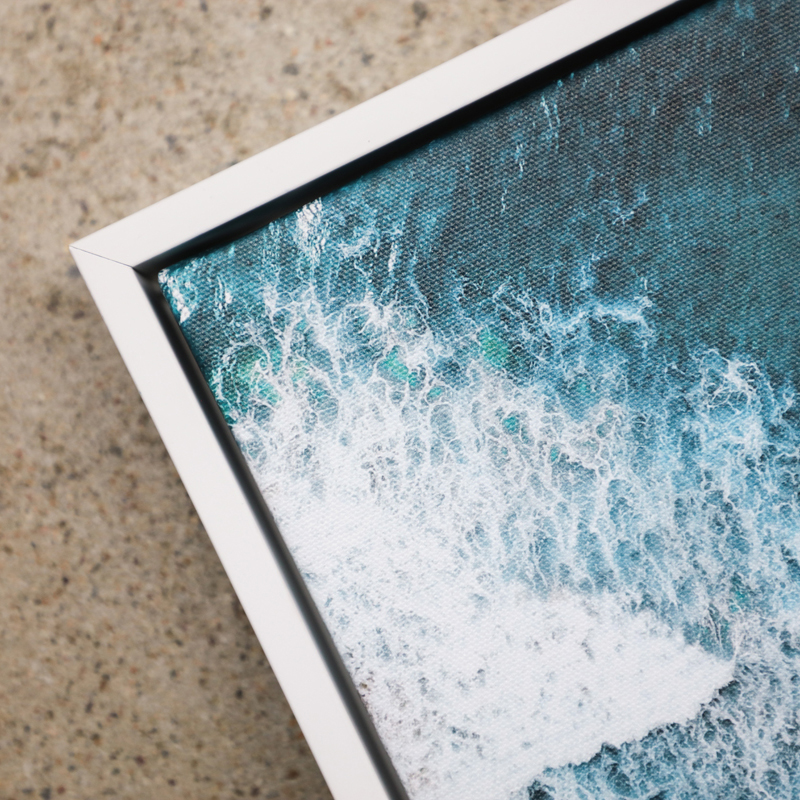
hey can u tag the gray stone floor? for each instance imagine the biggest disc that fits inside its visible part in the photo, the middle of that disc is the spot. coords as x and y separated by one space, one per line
127 668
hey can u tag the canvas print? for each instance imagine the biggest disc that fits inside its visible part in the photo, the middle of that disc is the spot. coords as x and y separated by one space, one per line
523 403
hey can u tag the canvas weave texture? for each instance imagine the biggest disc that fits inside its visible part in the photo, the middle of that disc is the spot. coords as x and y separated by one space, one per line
523 403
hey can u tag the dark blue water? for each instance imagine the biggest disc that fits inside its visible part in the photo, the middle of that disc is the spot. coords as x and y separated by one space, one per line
524 405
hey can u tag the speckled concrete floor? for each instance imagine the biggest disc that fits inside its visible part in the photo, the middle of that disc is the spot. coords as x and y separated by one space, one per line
127 668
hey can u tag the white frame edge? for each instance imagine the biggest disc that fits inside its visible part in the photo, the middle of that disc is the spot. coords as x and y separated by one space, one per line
233 528
105 259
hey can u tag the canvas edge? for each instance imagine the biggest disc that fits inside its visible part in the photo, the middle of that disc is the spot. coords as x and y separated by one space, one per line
356 133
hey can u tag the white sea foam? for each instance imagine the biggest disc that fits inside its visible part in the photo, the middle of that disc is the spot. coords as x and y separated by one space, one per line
417 523
477 685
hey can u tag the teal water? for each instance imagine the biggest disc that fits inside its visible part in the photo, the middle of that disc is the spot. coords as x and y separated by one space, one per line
524 405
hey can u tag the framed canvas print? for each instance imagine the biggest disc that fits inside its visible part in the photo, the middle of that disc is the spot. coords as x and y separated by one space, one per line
486 393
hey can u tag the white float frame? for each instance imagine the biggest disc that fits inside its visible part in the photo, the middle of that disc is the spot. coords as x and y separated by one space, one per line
119 263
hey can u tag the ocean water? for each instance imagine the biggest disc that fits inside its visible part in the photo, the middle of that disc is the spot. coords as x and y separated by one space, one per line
524 406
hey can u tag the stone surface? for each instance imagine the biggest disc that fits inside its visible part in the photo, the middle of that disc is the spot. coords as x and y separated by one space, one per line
127 668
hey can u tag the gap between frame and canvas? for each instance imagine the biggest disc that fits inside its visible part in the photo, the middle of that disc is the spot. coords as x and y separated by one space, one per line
247 196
